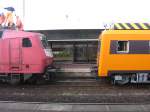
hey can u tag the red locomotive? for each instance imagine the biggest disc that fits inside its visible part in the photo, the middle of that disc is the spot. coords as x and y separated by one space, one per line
23 55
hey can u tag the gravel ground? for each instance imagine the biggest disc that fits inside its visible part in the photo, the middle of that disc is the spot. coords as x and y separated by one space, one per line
72 92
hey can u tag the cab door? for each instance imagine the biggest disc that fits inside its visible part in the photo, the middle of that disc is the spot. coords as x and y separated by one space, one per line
15 59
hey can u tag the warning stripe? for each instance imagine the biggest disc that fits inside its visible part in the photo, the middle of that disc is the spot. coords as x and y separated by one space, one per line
140 25
143 25
132 26
122 25
147 25
125 25
117 26
135 26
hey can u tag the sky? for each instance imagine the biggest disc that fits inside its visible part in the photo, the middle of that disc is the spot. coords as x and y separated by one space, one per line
78 14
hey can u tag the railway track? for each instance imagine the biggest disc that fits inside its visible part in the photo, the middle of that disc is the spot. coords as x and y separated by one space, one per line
83 90
93 82
77 82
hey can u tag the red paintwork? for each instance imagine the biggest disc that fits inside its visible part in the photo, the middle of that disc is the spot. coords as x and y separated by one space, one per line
17 59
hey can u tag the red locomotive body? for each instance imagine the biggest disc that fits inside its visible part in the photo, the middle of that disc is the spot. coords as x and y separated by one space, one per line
23 53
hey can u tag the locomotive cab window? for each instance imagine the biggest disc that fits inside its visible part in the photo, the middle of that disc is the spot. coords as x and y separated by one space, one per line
26 42
122 46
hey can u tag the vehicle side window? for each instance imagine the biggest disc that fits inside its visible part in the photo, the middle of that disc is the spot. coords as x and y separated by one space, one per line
26 42
123 46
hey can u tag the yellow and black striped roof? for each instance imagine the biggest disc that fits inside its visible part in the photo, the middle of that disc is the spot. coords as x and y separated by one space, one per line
131 26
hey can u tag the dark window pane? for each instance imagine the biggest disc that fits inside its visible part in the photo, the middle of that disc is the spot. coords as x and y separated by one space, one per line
1 33
139 47
44 41
123 46
26 42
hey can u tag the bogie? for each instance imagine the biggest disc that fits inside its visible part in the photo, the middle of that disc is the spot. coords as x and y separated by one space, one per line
122 79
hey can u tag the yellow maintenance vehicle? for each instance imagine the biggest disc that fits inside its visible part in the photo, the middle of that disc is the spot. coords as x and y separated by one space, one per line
124 53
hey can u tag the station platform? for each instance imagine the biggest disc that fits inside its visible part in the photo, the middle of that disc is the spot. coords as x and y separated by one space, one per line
78 107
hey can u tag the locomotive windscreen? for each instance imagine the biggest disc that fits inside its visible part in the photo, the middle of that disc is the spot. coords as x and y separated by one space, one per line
1 33
44 41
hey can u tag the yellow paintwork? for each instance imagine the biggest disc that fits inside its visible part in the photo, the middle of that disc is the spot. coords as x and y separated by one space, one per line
122 62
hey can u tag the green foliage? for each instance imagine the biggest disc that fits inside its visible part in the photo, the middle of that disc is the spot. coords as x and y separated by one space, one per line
62 54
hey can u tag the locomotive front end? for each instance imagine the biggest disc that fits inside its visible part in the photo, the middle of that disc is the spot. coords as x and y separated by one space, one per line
47 50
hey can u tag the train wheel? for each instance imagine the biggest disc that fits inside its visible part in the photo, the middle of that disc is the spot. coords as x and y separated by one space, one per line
40 79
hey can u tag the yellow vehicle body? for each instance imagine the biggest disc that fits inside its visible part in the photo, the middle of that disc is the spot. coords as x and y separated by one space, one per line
136 58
